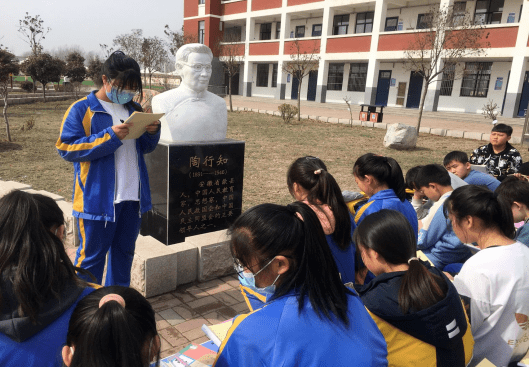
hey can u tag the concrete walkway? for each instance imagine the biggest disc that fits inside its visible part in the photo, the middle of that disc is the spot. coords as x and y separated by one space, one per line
434 120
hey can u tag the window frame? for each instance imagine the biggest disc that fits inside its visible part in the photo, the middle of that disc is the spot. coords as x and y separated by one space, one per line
476 79
314 32
447 81
299 28
365 23
421 24
265 31
356 82
201 31
278 30
274 75
386 28
339 21
490 14
336 76
262 75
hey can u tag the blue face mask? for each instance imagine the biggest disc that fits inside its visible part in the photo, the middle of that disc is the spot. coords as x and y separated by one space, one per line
119 97
248 280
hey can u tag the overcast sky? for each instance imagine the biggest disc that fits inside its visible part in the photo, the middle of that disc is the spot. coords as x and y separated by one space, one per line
87 23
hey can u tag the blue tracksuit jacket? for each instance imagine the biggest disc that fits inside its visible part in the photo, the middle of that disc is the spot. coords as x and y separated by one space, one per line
278 335
87 140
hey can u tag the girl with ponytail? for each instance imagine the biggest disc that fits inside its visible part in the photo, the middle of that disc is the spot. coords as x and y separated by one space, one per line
415 306
309 181
311 319
494 283
113 326
382 180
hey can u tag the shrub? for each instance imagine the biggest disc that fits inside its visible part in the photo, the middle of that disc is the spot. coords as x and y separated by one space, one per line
28 124
288 112
27 86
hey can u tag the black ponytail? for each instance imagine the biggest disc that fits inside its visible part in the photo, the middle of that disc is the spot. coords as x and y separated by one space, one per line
384 170
312 175
112 335
480 202
269 230
390 234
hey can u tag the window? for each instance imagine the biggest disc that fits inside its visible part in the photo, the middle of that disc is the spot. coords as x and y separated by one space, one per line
274 75
391 24
201 32
488 11
357 77
448 80
364 22
262 75
232 34
476 79
278 30
341 23
200 2
300 31
266 31
424 21
335 80
459 12
316 30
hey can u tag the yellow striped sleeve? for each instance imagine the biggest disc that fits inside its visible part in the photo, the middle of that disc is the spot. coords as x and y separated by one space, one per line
83 146
245 290
361 211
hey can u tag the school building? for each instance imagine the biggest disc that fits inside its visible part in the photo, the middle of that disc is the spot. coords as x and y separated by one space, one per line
362 46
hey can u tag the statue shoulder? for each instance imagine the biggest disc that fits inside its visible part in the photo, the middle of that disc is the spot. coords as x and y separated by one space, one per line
166 100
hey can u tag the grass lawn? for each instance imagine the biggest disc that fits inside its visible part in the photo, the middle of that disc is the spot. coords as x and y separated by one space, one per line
270 148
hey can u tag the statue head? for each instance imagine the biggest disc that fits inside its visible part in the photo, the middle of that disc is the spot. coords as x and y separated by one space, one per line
193 64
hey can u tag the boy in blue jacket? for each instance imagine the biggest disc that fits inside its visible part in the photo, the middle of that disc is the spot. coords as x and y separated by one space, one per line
436 239
457 163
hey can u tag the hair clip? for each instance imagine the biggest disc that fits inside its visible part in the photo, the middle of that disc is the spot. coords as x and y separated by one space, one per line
317 172
413 258
112 297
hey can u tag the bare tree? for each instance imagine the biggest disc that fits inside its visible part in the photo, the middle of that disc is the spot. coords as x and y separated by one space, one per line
153 56
44 68
178 39
304 58
62 52
34 32
107 50
130 43
75 70
449 37
231 52
8 68
94 71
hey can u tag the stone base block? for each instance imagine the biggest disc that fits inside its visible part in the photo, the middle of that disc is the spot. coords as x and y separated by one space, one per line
186 262
425 130
304 116
381 125
7 186
440 132
515 140
72 234
214 256
344 121
357 123
368 123
472 135
154 267
485 137
455 133
334 120
323 118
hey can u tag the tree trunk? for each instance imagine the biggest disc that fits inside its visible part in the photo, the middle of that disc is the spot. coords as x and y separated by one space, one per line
421 106
229 92
44 91
299 99
150 81
5 117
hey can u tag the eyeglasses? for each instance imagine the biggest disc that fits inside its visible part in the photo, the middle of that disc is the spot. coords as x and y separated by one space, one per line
199 67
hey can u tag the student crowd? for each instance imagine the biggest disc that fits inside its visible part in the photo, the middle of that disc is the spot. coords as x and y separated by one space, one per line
329 281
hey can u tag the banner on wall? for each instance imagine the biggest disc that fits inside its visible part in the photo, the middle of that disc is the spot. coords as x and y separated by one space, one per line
498 84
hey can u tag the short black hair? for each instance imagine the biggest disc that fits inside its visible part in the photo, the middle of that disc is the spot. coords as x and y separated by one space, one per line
513 189
457 156
410 177
432 173
502 128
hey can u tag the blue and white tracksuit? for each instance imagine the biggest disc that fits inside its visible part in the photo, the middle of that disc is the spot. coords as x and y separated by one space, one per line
87 140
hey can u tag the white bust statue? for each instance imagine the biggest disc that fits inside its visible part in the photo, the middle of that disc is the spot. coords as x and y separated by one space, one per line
191 112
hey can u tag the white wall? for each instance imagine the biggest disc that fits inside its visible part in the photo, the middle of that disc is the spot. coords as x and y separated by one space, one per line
475 104
308 23
407 15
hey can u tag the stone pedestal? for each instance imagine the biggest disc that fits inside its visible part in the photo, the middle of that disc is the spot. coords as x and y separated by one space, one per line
196 188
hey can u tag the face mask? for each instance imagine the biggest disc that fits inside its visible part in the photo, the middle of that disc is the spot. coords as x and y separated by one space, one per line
119 97
248 280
